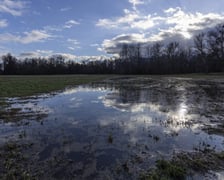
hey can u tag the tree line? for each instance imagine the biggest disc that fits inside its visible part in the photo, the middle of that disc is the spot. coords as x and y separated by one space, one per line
206 55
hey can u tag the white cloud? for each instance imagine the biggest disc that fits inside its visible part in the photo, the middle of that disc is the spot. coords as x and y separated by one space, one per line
3 23
73 44
34 36
120 22
100 49
73 41
45 52
135 3
171 10
174 25
131 19
69 24
74 47
144 23
14 8
71 48
36 54
187 24
28 37
94 45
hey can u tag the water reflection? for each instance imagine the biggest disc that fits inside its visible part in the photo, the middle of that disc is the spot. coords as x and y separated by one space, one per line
122 125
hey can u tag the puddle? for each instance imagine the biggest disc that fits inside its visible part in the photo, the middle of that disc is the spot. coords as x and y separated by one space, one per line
116 128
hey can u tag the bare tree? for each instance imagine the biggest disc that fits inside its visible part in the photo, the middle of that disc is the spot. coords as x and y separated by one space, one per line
131 52
200 44
172 50
156 50
216 41
9 64
147 51
124 52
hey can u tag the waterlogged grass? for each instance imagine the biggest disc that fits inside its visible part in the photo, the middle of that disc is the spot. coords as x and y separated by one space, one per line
166 170
185 165
14 162
17 86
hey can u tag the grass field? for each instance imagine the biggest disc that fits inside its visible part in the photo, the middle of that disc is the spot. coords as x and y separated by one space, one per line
17 86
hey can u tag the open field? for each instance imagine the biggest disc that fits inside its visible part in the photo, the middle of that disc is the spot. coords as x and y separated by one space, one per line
117 127
15 86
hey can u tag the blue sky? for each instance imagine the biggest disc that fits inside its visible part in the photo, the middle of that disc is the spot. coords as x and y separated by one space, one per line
84 28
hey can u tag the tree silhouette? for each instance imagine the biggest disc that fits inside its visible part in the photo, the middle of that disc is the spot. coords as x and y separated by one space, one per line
207 55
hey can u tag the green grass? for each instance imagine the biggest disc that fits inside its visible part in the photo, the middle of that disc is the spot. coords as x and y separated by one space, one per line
184 165
19 86
166 170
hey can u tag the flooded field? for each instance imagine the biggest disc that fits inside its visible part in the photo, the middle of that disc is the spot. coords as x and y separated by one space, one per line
115 129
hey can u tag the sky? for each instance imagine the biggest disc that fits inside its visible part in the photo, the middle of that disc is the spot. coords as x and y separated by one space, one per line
97 28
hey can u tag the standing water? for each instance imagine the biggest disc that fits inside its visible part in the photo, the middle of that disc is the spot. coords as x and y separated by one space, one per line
114 129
